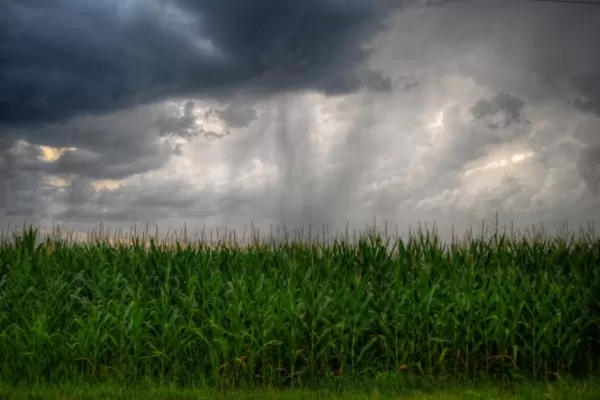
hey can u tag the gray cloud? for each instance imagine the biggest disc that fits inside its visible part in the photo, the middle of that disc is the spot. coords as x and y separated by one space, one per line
66 58
508 105
236 115
493 108
587 85
182 126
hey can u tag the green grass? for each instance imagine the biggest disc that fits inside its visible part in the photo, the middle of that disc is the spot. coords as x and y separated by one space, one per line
298 313
530 391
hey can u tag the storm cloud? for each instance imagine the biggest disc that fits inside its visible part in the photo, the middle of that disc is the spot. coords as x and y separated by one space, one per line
63 58
214 113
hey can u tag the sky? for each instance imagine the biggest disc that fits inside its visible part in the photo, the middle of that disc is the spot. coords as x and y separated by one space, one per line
226 113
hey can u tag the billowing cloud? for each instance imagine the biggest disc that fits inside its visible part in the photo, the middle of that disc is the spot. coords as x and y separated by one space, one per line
317 112
66 58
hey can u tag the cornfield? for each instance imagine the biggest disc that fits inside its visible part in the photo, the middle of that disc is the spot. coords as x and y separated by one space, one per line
292 312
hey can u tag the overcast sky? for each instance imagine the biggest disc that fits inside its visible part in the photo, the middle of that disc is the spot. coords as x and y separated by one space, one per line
225 112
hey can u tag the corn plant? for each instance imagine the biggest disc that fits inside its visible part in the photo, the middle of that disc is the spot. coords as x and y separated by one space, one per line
293 312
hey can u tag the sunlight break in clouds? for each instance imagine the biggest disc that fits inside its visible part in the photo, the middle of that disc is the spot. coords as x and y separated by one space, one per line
516 159
51 154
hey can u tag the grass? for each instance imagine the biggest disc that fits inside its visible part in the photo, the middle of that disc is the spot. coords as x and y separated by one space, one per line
298 313
531 391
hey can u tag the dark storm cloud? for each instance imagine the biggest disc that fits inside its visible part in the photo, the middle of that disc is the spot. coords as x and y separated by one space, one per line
72 73
236 115
105 147
505 103
64 58
106 166
510 67
182 126
113 146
